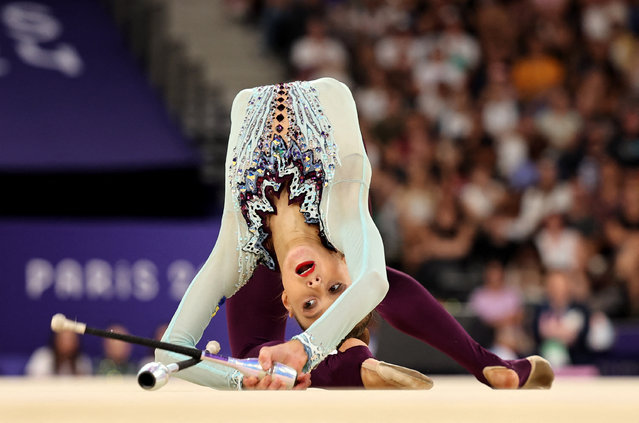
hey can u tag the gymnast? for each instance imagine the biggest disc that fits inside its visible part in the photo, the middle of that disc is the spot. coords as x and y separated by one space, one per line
296 207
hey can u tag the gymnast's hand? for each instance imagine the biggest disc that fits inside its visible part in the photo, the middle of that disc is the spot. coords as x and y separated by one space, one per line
270 383
290 353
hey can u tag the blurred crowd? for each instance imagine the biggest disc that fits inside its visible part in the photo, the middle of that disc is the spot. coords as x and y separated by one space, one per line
504 137
65 355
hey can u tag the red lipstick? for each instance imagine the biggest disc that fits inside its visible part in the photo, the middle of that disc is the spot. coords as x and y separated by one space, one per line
305 268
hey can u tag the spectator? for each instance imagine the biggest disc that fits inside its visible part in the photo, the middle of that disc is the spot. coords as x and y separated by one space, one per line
526 148
482 195
395 51
449 158
512 157
555 26
62 357
623 49
371 19
116 358
548 196
435 70
461 47
317 54
391 126
579 216
626 147
592 95
608 190
500 306
632 71
600 18
417 141
416 203
525 271
622 233
441 248
456 121
588 167
536 72
386 203
562 248
432 103
559 123
558 245
561 325
284 21
500 113
372 99
497 34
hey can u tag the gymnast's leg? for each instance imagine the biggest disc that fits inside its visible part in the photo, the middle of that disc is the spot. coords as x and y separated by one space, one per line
341 370
255 315
257 318
410 308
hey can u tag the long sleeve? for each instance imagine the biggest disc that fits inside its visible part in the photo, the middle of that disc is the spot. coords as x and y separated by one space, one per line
348 226
219 277
215 280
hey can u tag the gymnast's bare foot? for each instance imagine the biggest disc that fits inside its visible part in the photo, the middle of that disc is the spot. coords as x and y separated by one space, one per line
381 375
541 375
500 377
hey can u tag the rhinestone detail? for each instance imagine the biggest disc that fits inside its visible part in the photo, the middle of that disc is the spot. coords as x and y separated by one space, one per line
268 153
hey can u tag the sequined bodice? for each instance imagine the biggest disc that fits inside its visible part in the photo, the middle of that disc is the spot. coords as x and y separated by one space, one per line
285 136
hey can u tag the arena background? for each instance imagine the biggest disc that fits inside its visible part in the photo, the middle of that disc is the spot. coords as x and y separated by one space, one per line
114 118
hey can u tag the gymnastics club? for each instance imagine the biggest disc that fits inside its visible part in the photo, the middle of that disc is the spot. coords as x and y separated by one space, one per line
154 375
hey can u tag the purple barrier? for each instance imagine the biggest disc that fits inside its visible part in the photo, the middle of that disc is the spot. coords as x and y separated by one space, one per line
100 272
72 96
131 272
627 341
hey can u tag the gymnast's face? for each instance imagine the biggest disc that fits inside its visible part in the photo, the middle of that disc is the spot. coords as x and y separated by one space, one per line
313 278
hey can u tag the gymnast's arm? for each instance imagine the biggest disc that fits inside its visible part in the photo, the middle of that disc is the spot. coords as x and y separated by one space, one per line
350 227
198 306
218 278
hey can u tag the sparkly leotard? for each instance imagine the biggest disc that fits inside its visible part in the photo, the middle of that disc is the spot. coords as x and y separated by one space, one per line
284 135
305 133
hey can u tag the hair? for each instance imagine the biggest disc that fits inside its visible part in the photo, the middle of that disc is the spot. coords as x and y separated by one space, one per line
360 331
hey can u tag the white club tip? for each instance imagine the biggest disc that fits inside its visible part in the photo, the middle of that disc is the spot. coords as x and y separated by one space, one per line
57 322
60 323
213 347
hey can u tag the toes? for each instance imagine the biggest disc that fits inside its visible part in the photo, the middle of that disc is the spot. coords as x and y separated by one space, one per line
501 377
